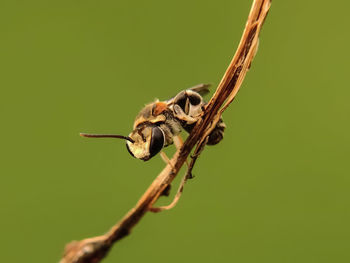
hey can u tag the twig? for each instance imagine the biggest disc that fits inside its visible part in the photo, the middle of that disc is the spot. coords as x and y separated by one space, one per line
92 250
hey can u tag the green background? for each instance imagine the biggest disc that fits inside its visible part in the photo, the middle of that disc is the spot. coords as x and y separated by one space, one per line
275 190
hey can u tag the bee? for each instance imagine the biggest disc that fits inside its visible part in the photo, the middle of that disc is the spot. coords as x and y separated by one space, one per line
159 123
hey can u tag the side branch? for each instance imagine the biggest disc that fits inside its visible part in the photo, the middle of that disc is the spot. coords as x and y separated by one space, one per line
92 250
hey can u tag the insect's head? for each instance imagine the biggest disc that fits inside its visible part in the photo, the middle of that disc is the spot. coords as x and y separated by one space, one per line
148 141
143 143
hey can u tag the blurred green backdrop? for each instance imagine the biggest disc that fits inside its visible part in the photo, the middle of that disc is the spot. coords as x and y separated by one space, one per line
275 190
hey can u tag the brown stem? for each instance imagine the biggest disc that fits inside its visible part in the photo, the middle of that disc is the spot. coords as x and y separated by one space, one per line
92 250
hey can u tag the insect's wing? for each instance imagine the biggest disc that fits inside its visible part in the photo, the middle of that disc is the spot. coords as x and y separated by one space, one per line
202 89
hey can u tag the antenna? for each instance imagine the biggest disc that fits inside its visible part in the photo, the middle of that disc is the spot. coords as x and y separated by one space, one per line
106 136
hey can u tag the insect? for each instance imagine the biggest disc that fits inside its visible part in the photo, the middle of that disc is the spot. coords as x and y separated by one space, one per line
159 123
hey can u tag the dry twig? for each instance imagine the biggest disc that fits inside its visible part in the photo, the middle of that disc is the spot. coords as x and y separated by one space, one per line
92 250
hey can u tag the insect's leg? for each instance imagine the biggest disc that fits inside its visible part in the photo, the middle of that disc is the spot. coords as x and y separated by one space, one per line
166 159
175 200
178 144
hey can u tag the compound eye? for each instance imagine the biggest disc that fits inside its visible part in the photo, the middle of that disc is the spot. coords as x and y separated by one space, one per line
157 141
